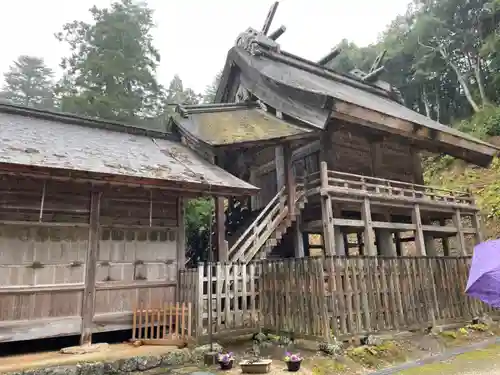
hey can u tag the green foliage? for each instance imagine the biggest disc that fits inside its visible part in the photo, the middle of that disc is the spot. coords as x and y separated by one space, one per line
211 90
483 124
29 82
111 71
198 221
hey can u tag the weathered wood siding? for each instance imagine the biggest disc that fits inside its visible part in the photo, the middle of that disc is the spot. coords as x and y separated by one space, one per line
351 152
43 254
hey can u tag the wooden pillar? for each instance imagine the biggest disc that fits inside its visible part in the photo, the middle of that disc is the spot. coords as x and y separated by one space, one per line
385 243
220 231
279 159
418 175
181 235
477 224
346 243
419 234
339 241
457 220
88 301
253 181
298 237
397 241
369 235
445 240
326 212
289 179
361 246
430 246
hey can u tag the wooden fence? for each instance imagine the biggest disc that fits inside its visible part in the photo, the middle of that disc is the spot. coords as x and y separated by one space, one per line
235 297
318 297
168 325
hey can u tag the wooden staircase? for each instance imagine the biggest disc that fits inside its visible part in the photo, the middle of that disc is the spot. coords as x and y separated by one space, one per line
267 230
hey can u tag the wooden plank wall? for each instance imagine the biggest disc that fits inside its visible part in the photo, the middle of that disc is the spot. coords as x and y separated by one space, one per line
351 152
44 240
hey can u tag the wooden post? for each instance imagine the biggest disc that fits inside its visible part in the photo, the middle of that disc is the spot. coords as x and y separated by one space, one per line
298 238
279 155
386 245
88 301
181 235
418 175
397 241
339 241
430 248
419 234
253 181
289 179
369 235
220 225
326 212
457 220
445 240
477 224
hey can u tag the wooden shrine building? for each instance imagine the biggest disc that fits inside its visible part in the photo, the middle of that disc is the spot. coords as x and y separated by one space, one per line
91 221
335 154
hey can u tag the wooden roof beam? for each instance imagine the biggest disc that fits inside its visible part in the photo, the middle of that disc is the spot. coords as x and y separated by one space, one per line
270 17
373 75
277 33
330 56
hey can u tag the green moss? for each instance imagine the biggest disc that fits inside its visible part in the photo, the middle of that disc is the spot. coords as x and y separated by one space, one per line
449 334
480 327
325 366
378 355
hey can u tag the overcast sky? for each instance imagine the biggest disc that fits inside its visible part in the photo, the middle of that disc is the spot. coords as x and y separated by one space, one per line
193 36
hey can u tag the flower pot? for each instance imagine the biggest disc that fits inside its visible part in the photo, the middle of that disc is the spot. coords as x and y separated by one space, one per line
226 365
293 366
261 366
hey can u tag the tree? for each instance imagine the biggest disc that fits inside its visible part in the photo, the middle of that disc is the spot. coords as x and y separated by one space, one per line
111 71
29 82
211 90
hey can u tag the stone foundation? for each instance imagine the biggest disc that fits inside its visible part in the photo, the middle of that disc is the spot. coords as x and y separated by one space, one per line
174 358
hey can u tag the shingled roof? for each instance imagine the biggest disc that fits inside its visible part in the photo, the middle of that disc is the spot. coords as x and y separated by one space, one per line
313 94
235 124
43 139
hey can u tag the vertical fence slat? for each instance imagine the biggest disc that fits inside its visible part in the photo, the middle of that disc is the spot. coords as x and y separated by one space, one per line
317 296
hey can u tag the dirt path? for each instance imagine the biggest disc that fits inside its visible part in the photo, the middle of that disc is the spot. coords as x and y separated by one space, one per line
479 362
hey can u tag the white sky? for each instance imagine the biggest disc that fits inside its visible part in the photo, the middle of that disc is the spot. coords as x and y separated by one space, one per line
193 36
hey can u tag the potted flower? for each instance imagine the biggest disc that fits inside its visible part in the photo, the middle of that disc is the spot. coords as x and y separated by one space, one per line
293 361
225 360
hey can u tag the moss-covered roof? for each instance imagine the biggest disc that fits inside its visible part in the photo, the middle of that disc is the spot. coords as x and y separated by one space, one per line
232 124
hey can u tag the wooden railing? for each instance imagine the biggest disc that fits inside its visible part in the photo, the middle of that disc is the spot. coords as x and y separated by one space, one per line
168 325
262 227
375 187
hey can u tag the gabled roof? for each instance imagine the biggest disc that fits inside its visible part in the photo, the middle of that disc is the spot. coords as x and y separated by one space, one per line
55 141
313 94
235 124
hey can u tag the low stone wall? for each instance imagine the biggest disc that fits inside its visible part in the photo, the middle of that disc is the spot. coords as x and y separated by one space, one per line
169 360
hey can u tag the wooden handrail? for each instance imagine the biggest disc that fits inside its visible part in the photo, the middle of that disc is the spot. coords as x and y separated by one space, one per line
403 183
262 214
263 226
